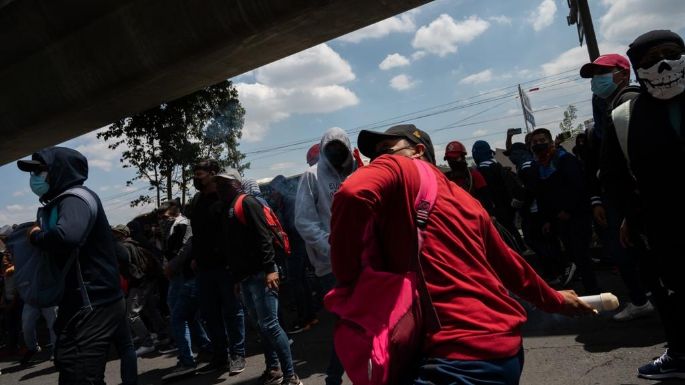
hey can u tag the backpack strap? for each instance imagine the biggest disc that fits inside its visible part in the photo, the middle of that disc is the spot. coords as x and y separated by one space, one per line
621 118
423 205
87 197
238 208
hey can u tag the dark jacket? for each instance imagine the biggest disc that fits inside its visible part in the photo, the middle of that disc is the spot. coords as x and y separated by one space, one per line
204 220
561 187
248 248
656 150
68 168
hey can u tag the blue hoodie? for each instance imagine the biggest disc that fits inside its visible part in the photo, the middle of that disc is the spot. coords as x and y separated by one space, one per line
68 168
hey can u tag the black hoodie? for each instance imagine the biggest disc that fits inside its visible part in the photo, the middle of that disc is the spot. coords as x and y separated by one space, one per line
68 168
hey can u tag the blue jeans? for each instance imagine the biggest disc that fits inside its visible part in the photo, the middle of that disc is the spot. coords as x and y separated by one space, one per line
222 310
262 304
297 278
29 319
505 371
335 369
182 300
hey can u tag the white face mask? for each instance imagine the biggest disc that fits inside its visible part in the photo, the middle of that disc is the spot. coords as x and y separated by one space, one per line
665 79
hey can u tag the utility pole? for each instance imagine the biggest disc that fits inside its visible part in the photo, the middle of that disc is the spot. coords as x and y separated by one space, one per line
580 15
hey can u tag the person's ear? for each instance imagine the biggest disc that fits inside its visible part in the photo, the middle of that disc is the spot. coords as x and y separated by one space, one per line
419 151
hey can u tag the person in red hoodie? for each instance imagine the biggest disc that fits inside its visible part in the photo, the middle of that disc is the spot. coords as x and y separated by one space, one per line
468 268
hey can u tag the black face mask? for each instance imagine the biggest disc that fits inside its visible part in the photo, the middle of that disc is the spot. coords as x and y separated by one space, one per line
459 166
197 183
337 156
540 148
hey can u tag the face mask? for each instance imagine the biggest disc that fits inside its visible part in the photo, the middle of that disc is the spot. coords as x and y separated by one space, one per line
39 184
197 183
665 79
603 85
540 148
459 166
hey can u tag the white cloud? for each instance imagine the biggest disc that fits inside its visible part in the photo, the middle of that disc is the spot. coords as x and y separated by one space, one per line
443 34
477 78
402 82
418 55
543 16
403 23
282 166
392 61
505 20
308 82
15 208
20 193
479 133
575 57
97 152
625 19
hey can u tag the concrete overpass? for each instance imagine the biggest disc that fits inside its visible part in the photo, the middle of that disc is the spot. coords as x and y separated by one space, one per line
68 67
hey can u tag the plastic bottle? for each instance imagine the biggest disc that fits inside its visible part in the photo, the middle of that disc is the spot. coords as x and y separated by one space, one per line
601 302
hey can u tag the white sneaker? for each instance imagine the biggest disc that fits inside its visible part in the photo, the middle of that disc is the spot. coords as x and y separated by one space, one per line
143 350
632 312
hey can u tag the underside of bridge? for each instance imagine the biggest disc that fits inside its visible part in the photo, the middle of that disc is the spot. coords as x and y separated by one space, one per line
68 67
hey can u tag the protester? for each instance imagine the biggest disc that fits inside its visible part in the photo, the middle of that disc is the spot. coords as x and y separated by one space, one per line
640 152
29 320
468 178
84 330
610 78
249 251
313 214
220 307
465 263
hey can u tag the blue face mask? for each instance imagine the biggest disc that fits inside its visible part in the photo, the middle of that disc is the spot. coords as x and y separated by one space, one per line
39 185
603 85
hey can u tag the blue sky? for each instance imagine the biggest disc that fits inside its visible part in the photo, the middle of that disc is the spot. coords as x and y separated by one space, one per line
451 67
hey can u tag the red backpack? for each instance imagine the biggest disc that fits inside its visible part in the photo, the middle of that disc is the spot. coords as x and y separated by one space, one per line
280 239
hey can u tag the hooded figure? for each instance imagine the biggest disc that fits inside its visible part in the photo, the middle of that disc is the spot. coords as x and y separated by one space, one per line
83 337
481 152
315 196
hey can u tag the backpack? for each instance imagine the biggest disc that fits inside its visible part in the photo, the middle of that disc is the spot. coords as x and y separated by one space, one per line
385 316
621 118
39 279
280 238
142 262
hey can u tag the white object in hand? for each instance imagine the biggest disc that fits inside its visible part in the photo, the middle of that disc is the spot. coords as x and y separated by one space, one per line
601 302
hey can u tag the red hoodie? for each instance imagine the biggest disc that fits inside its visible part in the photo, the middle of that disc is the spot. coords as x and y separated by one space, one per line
468 267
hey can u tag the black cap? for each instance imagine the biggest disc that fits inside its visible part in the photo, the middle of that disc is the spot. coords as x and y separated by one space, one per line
31 165
648 40
368 140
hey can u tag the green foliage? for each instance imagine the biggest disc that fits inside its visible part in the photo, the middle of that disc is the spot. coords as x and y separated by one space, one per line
164 142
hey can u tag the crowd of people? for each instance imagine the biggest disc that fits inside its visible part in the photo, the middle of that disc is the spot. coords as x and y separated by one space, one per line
188 278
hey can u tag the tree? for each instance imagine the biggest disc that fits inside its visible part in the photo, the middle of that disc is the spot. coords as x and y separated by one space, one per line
164 142
566 125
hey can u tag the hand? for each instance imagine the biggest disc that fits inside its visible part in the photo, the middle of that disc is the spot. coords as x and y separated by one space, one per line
600 216
33 229
546 228
9 271
563 215
624 235
272 281
573 306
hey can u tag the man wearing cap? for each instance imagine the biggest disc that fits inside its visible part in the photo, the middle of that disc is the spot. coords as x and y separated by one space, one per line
610 76
249 251
84 332
220 307
466 264
641 160
470 179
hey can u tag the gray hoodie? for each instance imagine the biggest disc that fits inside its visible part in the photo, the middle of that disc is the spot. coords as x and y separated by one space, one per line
314 199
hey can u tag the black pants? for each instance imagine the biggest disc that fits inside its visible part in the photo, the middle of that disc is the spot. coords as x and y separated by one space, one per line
83 340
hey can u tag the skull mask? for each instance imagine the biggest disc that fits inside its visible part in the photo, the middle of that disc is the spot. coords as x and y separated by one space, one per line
665 79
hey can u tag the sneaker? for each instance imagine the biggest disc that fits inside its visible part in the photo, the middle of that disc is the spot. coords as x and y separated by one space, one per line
143 350
294 380
303 326
26 358
633 311
181 370
213 366
567 275
271 377
663 367
237 365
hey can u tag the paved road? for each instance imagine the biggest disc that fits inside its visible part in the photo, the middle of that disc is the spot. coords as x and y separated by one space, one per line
559 351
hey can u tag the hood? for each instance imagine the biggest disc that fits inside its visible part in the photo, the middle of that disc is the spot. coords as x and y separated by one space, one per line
66 168
336 133
481 151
